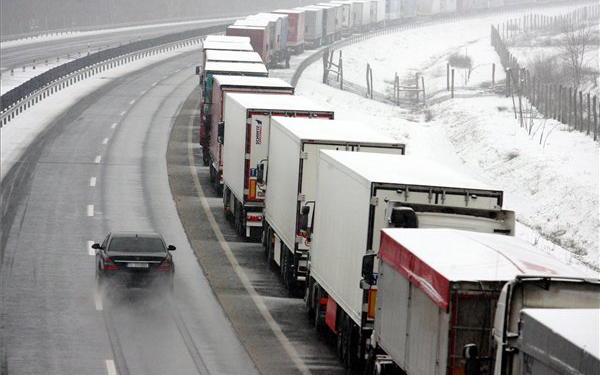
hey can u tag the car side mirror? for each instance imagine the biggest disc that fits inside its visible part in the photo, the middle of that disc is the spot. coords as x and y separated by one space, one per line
260 173
221 132
96 246
470 354
368 263
305 210
171 248
197 70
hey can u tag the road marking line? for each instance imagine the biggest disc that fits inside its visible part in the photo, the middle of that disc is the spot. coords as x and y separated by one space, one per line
90 250
143 92
123 113
90 210
98 302
165 77
114 125
98 158
258 302
110 367
131 102
154 84
105 141
93 181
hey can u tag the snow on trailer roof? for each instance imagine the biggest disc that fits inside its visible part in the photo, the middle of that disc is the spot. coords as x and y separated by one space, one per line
227 39
333 130
248 81
277 102
403 169
232 56
267 16
581 323
241 67
291 11
433 258
227 46
260 22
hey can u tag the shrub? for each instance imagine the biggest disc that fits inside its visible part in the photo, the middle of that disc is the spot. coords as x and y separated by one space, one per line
460 61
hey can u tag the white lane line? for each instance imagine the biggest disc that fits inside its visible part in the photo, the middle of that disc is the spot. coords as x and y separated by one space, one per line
131 102
258 302
114 125
90 250
178 70
105 141
99 307
165 77
123 113
93 181
142 93
98 158
154 84
110 367
90 210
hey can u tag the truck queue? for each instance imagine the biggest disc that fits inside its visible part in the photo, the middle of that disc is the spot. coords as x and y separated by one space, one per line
411 265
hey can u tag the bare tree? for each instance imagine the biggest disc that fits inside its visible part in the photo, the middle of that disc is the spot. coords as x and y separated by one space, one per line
575 39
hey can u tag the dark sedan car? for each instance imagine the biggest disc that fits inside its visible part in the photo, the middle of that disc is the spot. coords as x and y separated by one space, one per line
135 259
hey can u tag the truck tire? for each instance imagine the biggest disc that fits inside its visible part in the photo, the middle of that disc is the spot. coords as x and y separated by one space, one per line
212 175
319 322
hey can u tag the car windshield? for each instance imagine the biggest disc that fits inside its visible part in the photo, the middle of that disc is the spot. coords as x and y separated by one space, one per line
136 245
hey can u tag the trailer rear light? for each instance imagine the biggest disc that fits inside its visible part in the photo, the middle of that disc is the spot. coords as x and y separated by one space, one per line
372 303
254 217
166 265
109 265
323 301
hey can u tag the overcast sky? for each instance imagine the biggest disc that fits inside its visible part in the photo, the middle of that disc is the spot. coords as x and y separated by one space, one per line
20 16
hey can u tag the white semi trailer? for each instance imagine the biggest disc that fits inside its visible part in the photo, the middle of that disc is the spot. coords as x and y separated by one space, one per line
447 300
247 122
291 183
358 194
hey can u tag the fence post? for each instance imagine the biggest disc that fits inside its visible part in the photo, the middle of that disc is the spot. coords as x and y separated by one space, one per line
371 78
452 85
423 86
417 87
569 105
508 79
447 76
575 117
493 75
560 104
580 111
595 118
589 117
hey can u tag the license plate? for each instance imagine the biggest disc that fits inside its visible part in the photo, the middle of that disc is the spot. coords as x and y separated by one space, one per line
137 265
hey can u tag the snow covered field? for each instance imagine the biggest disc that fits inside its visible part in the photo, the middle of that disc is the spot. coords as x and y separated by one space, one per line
552 185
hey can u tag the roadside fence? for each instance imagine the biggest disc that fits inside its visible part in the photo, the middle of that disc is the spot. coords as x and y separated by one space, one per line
569 105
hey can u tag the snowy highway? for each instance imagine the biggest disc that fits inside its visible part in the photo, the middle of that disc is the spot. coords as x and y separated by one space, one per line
19 53
100 166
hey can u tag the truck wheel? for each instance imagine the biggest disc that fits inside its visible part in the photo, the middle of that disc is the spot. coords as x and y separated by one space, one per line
370 364
212 175
319 322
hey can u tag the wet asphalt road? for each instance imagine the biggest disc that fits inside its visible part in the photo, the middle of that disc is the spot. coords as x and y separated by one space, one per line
102 166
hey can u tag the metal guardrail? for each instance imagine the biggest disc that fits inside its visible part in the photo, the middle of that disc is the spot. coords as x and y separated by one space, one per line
22 97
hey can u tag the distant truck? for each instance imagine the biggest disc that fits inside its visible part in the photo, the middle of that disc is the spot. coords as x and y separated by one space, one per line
259 39
328 22
346 16
358 194
281 32
247 122
338 11
227 39
231 84
211 69
457 302
291 182
295 41
313 27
